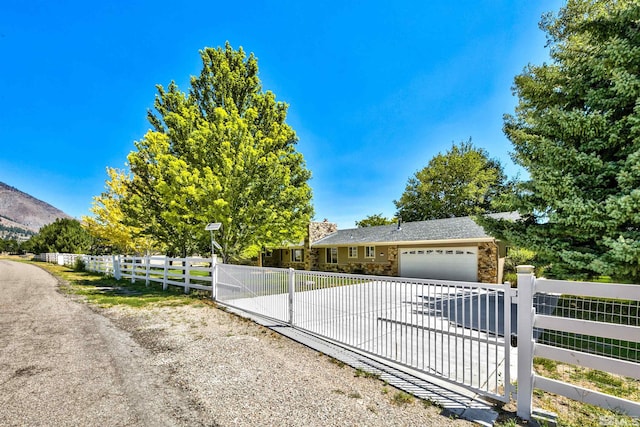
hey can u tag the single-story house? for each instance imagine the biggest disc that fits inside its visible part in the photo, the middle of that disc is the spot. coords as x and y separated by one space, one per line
446 249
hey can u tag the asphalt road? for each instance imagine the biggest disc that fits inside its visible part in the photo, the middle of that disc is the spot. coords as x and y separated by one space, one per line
63 364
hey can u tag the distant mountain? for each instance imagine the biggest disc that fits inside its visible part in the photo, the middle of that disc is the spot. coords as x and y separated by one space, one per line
22 215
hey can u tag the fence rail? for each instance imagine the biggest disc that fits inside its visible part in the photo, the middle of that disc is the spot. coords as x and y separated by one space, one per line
187 273
595 321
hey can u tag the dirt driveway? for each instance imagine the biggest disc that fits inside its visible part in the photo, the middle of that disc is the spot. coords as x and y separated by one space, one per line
64 362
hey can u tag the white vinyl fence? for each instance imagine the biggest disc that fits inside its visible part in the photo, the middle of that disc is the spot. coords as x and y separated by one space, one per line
100 264
593 325
188 273
458 331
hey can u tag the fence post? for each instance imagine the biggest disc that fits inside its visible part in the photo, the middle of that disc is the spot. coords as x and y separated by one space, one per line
509 389
165 275
146 269
292 284
187 275
214 277
526 314
117 274
133 269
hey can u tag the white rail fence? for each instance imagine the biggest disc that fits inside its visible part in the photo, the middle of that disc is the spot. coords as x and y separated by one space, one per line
188 273
458 331
601 315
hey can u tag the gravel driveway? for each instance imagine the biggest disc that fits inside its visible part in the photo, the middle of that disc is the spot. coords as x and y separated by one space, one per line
64 362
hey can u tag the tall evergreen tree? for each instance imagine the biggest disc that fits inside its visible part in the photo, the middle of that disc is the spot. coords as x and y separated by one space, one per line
221 153
576 130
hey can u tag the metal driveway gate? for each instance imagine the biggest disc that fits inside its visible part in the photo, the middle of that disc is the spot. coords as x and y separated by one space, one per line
453 330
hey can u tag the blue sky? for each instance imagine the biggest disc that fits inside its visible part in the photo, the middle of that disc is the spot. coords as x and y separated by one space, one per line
375 88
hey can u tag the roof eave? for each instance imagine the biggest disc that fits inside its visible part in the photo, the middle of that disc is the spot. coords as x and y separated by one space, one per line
409 242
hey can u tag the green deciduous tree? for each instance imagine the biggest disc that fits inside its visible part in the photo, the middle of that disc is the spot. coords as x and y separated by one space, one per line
221 153
64 235
11 246
463 181
373 220
108 225
576 130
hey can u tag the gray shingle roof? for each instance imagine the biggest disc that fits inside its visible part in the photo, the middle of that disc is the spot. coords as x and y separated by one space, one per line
419 231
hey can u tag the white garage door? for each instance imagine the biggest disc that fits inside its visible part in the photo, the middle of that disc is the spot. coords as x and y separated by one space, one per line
444 263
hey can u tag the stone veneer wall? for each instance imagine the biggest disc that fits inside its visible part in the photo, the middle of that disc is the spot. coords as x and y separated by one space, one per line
311 257
392 256
388 268
374 268
316 231
488 262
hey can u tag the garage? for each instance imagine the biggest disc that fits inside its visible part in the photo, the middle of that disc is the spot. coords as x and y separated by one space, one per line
445 263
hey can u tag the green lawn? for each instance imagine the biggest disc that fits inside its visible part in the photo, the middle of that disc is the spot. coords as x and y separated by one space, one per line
598 310
106 291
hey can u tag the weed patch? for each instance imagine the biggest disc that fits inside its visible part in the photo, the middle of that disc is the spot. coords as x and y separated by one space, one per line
572 413
401 398
337 362
364 374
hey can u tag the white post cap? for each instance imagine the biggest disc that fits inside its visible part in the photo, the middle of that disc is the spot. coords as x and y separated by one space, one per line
525 269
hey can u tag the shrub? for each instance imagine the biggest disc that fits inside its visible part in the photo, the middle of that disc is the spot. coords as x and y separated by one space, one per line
79 265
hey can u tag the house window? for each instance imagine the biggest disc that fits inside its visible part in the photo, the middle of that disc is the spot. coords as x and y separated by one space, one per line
353 252
296 255
332 255
268 253
369 251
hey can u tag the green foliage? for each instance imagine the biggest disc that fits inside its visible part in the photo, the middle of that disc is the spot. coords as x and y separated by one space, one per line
221 153
108 225
511 422
596 310
337 362
373 220
106 291
464 181
577 132
365 374
402 398
64 235
520 256
11 246
79 265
